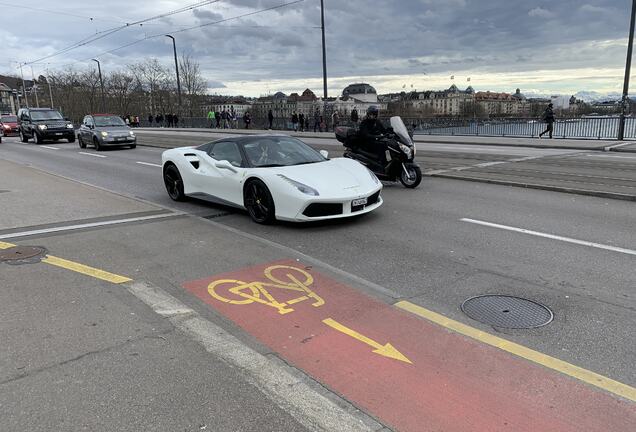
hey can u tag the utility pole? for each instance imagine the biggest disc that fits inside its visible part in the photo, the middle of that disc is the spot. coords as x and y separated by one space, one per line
34 87
176 65
26 99
48 81
101 83
628 66
324 53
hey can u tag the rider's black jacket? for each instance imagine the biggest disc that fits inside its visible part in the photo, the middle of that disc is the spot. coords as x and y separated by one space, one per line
371 129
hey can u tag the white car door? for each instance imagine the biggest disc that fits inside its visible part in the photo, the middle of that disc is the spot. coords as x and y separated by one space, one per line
220 173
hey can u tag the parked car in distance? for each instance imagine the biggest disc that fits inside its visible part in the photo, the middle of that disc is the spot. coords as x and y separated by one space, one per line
105 130
8 125
43 124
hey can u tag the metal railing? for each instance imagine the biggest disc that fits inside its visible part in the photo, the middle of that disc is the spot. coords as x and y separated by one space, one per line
576 128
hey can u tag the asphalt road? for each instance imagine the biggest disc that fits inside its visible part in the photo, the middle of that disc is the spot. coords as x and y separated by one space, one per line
431 246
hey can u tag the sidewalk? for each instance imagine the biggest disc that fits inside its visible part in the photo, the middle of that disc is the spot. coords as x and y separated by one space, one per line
556 143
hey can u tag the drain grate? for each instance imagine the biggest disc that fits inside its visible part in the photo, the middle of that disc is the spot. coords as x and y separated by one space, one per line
507 311
17 255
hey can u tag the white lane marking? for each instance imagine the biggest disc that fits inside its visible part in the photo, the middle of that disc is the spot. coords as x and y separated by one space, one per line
483 165
608 156
86 225
552 236
50 148
609 148
149 164
281 383
92 154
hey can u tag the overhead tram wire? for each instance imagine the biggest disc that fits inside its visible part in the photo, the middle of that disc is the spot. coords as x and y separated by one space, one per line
187 29
113 30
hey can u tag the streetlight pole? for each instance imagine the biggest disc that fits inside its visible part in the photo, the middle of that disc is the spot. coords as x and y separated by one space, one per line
26 99
101 83
324 49
48 81
34 87
628 66
176 65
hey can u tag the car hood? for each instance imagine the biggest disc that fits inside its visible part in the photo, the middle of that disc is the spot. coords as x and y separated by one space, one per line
114 130
335 176
52 123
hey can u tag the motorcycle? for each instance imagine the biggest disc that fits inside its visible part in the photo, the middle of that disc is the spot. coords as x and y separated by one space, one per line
400 162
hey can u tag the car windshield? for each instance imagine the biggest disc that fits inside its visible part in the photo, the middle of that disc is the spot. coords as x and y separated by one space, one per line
108 121
280 151
46 115
9 119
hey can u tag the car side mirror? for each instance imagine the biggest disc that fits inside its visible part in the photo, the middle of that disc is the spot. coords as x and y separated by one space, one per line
324 154
225 165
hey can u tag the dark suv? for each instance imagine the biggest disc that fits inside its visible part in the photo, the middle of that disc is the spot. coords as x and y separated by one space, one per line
44 124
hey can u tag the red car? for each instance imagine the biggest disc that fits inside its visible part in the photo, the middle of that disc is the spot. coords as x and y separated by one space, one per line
9 125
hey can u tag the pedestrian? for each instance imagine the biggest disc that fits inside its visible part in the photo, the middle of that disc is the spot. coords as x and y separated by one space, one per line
175 119
334 120
127 120
217 116
136 121
354 116
247 118
294 120
548 117
211 118
270 118
169 120
307 122
317 120
301 122
233 119
323 125
150 119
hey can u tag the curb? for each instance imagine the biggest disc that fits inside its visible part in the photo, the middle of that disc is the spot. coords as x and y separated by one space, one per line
586 192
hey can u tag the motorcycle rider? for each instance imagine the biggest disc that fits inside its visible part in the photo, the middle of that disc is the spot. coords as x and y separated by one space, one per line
371 134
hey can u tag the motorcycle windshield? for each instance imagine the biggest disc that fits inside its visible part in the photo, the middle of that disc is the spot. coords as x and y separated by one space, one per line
400 130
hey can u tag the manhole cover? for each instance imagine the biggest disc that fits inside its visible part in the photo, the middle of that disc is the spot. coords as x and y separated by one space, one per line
22 254
507 311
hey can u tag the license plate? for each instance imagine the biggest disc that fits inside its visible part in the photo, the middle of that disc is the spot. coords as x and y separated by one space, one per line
120 139
59 133
358 202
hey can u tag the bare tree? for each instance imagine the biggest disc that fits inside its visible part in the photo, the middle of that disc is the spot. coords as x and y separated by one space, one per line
192 82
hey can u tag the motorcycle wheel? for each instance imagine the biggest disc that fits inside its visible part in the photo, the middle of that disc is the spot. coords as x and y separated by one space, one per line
413 179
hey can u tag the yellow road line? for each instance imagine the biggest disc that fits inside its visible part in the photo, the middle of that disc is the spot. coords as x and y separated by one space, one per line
84 269
4 245
566 368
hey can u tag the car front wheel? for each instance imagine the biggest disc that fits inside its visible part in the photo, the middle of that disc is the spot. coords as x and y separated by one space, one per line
22 137
174 183
259 202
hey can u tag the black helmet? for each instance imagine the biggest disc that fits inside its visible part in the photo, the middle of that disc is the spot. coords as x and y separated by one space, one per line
372 110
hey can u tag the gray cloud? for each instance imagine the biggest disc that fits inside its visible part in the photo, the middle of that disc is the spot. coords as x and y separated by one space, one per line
410 37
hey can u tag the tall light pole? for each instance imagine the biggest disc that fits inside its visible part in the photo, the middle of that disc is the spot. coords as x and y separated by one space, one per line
26 99
324 49
34 87
628 66
48 81
101 83
176 65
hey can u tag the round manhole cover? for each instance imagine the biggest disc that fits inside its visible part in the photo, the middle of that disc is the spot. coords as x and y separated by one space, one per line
507 311
22 254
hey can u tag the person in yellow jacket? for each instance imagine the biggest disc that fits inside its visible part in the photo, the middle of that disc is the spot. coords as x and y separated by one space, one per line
211 118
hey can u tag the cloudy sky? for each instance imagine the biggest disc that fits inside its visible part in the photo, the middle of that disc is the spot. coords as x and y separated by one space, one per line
541 46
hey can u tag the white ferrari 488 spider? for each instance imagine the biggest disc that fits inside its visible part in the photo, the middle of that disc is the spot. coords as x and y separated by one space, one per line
273 177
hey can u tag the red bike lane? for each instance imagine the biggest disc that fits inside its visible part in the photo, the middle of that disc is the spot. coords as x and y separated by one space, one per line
411 374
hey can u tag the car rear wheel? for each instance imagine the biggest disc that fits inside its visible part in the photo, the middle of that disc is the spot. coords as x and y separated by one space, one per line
174 183
259 202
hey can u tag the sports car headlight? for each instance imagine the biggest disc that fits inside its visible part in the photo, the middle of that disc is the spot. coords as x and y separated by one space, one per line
308 190
42 127
69 125
407 150
104 134
373 176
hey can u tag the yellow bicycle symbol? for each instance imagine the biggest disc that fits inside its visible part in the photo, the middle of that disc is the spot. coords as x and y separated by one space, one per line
244 293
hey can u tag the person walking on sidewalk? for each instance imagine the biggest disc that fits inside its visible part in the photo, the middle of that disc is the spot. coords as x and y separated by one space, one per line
301 122
211 118
354 117
270 118
294 120
548 117
150 119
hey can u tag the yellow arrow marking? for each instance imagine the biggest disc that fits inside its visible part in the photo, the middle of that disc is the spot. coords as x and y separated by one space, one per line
387 350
